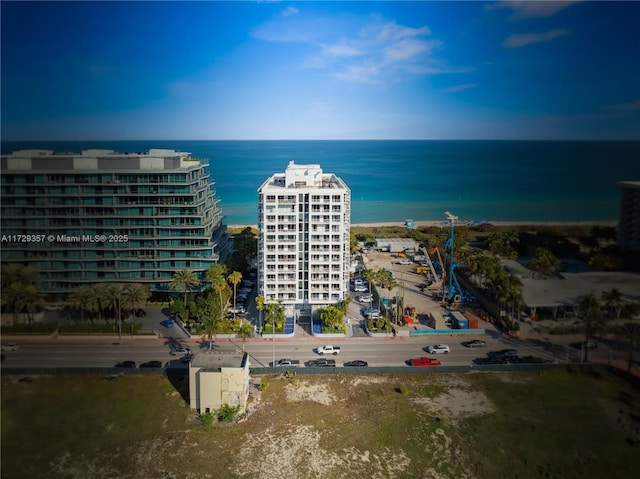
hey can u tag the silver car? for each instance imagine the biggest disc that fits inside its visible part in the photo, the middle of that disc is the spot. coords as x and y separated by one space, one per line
438 349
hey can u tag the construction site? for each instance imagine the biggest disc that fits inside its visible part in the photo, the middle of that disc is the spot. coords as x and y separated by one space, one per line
432 298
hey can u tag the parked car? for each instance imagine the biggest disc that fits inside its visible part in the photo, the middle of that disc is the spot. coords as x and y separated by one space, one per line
126 364
405 261
360 288
239 309
474 343
438 349
424 361
371 312
179 350
509 354
321 363
10 347
140 313
151 364
358 363
167 323
591 345
285 362
365 298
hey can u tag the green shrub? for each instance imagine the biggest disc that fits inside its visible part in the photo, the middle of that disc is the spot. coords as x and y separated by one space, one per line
30 328
208 419
228 413
99 328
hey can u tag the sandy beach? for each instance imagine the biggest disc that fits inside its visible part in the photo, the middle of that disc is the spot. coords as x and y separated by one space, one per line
470 223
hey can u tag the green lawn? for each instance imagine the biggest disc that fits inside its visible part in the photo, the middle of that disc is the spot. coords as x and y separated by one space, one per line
560 423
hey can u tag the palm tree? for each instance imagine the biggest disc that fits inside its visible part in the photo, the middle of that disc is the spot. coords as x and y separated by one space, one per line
216 270
220 286
81 299
246 331
210 322
260 307
371 277
590 311
11 298
613 300
543 261
389 283
331 316
99 300
32 300
235 278
135 296
184 280
114 295
510 291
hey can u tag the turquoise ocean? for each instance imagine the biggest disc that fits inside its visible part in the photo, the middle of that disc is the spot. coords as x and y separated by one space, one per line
397 180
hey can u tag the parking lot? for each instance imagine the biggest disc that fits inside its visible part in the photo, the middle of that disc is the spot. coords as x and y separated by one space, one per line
409 283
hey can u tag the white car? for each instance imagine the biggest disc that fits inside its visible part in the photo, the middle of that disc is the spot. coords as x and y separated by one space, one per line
365 298
360 288
405 261
180 350
438 349
239 309
10 347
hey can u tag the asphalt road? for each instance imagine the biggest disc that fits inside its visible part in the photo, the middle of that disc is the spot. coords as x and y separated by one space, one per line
378 352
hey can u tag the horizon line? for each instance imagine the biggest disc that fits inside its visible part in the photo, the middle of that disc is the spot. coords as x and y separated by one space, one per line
319 139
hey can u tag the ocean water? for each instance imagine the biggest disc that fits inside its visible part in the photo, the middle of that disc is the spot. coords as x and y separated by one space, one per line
396 180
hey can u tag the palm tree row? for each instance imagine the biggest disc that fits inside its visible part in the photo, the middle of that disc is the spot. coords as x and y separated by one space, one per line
209 306
496 283
381 277
594 313
20 290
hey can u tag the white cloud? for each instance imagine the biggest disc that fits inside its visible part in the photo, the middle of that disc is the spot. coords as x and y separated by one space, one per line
290 11
363 72
529 8
370 50
406 49
456 88
341 50
521 39
393 31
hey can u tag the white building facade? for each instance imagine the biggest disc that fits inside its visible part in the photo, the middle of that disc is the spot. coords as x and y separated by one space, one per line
304 239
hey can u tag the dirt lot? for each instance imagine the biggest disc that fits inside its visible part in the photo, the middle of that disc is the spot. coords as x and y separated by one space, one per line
557 423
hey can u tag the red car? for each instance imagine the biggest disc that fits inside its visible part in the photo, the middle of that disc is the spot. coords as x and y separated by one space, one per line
424 361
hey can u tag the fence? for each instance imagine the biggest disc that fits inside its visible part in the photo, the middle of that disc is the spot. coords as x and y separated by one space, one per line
382 370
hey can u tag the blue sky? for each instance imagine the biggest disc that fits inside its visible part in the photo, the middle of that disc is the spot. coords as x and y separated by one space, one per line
320 70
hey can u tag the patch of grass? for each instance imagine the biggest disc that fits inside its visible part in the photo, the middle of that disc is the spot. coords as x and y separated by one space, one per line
561 423
558 425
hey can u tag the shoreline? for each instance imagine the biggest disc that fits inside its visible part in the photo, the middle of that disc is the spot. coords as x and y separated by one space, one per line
382 224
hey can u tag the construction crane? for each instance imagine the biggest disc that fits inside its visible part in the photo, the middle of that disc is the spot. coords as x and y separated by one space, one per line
449 244
437 280
455 292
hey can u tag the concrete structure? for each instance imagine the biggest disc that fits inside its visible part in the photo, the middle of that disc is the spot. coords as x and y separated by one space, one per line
303 244
218 378
629 220
102 216
563 292
396 245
